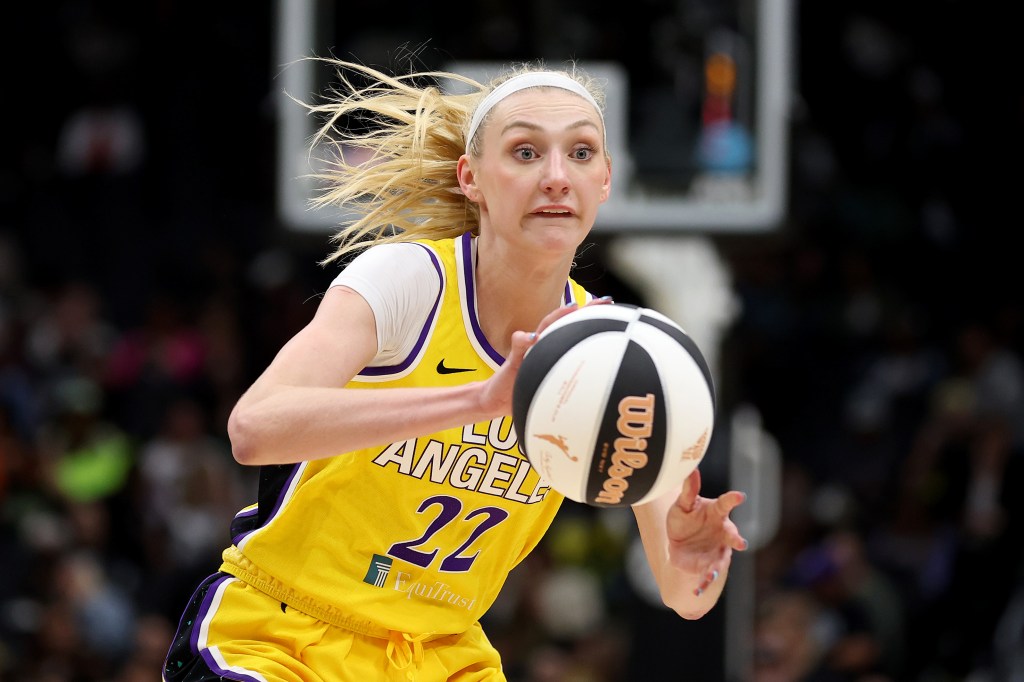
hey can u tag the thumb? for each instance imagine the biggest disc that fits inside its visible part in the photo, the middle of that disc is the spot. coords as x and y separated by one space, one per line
521 342
691 488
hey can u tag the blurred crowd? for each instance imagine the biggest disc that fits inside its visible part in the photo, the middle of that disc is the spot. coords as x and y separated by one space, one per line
144 283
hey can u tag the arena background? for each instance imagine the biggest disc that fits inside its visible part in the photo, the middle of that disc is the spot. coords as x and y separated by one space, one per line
145 278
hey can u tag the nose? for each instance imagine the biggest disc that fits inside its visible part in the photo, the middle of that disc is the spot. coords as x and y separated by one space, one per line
555 178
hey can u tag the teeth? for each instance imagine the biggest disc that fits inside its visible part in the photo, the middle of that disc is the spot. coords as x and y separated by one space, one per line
555 212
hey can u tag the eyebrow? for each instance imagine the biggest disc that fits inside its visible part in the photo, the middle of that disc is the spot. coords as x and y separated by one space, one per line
582 123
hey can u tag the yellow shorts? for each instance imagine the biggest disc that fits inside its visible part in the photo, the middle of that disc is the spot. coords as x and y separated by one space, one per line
233 631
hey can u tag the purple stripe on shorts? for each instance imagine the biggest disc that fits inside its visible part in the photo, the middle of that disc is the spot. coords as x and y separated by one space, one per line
228 674
404 365
204 609
470 282
201 616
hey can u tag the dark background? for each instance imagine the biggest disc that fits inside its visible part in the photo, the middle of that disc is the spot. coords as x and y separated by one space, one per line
145 280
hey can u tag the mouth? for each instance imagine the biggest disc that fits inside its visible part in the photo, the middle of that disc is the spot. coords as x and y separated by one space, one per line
553 213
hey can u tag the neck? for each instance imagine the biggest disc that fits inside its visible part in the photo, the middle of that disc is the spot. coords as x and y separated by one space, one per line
514 294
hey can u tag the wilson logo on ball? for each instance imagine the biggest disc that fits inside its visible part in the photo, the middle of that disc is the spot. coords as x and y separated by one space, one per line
614 405
636 417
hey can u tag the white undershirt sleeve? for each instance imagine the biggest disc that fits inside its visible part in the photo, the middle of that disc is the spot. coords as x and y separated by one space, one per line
401 285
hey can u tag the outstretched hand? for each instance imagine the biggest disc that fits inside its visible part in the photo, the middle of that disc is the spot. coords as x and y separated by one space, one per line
701 535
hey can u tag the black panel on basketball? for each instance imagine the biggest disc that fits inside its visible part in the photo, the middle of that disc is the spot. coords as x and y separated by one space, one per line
686 342
639 435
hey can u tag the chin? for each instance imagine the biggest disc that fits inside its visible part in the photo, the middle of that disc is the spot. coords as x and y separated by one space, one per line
554 238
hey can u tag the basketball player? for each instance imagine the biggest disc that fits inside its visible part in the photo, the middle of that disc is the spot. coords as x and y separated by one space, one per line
393 497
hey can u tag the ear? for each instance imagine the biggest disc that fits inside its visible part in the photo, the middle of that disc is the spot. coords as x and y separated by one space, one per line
606 186
467 179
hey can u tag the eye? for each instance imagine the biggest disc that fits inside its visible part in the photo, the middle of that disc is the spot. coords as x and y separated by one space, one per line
525 153
583 153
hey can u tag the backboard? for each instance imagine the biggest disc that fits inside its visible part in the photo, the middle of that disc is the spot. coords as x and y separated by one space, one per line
698 95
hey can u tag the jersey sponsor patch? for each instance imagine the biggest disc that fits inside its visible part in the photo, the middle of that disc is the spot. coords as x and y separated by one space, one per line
380 567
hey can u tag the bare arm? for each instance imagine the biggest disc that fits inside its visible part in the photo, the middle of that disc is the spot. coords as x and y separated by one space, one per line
297 411
689 542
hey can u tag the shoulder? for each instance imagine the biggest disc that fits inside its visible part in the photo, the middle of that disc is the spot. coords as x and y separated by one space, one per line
388 261
401 283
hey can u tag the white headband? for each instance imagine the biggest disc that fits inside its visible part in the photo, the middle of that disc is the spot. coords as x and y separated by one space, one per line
536 79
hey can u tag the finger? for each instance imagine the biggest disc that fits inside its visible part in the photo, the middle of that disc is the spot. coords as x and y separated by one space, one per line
521 342
604 300
726 502
556 314
559 313
691 488
709 578
724 505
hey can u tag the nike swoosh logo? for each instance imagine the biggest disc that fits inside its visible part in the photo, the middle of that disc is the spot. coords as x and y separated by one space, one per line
441 369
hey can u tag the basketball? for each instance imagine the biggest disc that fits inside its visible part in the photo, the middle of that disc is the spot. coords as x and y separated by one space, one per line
614 405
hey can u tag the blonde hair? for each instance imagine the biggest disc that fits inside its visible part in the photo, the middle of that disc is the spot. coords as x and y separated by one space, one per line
412 136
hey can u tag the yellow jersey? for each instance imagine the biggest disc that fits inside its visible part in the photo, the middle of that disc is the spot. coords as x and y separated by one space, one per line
416 536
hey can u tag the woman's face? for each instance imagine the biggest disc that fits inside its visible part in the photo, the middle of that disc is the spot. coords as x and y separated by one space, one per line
542 171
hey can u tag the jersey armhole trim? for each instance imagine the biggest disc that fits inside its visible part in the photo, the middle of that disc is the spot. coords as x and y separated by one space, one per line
428 324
